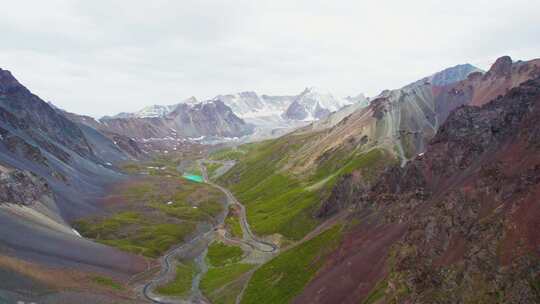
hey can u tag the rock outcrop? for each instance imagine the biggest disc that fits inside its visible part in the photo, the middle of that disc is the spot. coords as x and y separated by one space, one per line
22 187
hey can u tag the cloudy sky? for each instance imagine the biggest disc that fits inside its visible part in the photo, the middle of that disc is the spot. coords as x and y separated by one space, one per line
104 56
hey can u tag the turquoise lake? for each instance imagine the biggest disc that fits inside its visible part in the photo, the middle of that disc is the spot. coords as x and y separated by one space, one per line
193 178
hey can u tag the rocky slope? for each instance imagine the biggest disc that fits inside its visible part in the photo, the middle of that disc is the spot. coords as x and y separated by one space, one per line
51 170
109 143
457 224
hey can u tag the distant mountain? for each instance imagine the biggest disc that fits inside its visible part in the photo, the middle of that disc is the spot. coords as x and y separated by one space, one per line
309 105
153 110
250 104
186 120
313 105
262 111
269 116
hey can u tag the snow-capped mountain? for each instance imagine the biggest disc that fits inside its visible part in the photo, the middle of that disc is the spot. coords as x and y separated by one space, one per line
154 110
262 111
312 104
250 104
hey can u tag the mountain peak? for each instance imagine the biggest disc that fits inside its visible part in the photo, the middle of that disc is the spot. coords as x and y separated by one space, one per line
8 82
191 100
311 104
501 67
251 94
315 90
453 74
155 111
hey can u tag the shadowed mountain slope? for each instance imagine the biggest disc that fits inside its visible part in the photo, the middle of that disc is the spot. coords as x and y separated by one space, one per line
51 172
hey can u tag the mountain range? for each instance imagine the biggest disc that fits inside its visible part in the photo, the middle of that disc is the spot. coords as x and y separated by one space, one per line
227 117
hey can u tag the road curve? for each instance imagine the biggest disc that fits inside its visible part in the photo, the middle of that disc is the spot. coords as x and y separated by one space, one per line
167 269
249 237
165 261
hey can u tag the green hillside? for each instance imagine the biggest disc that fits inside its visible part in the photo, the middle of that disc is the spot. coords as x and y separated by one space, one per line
281 201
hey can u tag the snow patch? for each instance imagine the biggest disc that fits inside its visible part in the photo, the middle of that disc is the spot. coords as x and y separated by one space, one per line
76 232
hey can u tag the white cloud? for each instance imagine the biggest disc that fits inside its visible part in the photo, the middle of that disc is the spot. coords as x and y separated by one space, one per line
103 57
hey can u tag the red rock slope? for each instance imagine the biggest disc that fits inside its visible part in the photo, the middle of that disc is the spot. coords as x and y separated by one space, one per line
459 224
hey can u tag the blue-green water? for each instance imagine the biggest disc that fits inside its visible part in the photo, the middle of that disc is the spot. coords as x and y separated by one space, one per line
193 178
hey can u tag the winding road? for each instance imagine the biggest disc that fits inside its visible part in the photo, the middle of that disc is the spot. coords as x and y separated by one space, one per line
199 244
249 238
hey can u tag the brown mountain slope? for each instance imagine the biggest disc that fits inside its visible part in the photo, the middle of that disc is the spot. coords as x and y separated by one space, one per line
458 224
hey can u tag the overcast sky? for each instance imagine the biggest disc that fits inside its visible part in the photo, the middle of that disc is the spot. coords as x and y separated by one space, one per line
103 57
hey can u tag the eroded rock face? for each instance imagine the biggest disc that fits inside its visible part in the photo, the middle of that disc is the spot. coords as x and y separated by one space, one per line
22 187
21 148
501 67
470 207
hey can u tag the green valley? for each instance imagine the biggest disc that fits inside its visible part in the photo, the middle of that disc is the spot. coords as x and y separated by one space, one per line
150 214
280 193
